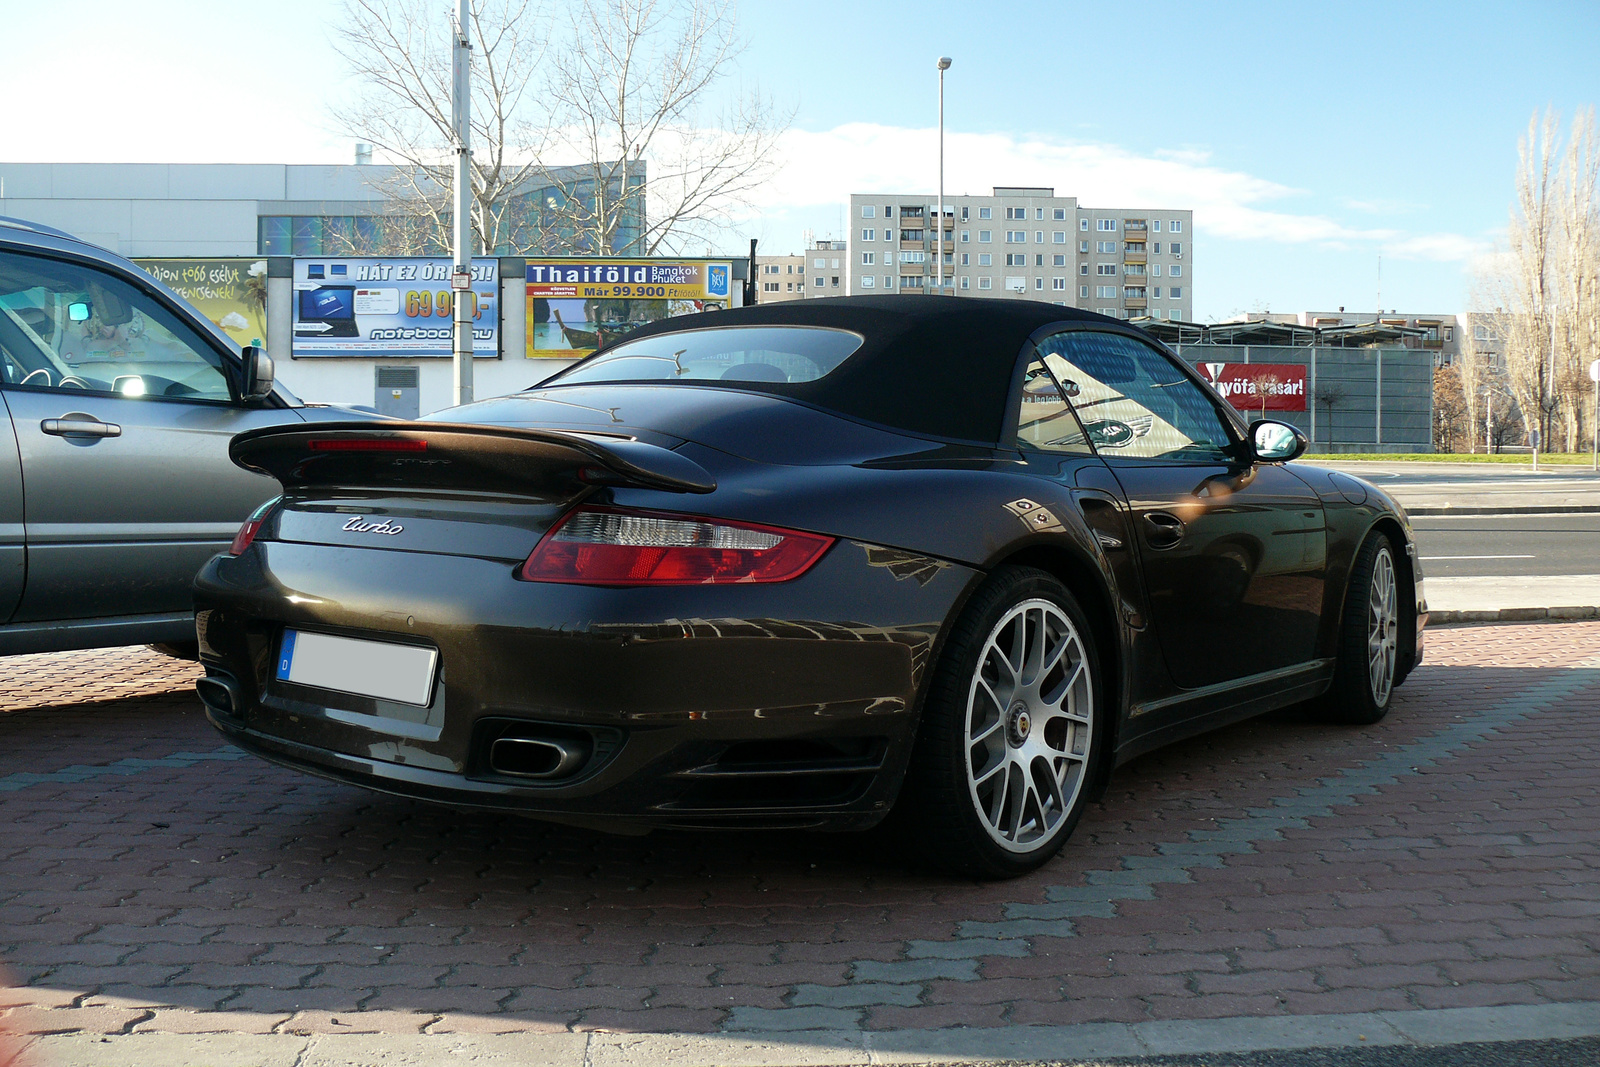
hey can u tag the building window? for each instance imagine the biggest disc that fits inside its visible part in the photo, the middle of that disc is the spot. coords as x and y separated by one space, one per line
1083 248
1105 248
866 281
1059 237
869 235
1176 248
1177 226
986 213
1016 212
1038 237
1155 224
1083 292
965 214
966 235
1016 237
985 283
966 259
1083 268
1105 292
1177 271
1106 311
1060 214
1083 224
1060 260
1038 214
1058 284
964 281
1108 225
985 236
1016 261
888 281
888 211
1175 293
985 259
1038 283
788 287
868 211
868 258
1133 268
1155 270
1106 268
1155 293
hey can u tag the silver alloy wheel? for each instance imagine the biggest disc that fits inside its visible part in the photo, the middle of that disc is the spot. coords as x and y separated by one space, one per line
1383 627
1030 720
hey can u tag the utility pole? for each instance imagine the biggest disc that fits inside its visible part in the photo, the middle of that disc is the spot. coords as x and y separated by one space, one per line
461 273
938 239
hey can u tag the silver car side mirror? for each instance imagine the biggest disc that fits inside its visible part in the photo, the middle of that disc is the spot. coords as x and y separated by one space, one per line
1275 442
257 373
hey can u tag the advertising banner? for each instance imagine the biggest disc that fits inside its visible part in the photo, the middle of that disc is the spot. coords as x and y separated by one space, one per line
390 306
575 305
230 292
1244 385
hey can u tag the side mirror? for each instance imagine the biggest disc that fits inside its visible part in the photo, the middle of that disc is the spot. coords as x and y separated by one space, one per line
1275 442
257 373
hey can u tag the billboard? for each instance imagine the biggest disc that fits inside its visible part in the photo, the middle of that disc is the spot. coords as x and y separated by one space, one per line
1245 385
575 305
390 306
230 292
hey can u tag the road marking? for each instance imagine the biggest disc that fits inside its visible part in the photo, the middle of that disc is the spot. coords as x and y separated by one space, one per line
1430 559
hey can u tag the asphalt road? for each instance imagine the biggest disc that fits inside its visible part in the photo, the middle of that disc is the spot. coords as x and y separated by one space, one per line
1434 485
1459 546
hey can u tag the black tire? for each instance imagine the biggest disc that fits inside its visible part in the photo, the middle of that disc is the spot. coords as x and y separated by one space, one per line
1049 726
1359 695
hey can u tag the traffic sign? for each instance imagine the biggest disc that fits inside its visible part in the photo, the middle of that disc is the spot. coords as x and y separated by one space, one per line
1594 371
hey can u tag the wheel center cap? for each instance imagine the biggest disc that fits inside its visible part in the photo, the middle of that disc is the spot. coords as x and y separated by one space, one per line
1019 722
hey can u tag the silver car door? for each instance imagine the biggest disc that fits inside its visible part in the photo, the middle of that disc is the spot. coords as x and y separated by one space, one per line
123 414
13 551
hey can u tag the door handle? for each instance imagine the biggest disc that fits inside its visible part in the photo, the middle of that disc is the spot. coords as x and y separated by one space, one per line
1162 530
77 424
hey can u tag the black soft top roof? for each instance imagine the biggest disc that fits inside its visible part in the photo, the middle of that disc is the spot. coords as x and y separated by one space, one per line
938 365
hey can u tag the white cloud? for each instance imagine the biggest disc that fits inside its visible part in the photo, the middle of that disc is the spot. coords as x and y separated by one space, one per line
823 167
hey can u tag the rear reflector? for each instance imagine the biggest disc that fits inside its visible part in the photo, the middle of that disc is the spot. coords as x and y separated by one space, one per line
252 526
606 546
371 444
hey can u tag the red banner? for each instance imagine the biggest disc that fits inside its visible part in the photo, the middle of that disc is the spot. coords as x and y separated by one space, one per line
1245 384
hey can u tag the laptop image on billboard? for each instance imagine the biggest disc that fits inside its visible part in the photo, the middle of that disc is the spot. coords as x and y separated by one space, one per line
329 311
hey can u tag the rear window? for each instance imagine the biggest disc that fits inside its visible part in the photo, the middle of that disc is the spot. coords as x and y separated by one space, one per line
749 354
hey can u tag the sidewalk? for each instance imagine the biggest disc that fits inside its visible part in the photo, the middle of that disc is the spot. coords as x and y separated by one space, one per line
1277 884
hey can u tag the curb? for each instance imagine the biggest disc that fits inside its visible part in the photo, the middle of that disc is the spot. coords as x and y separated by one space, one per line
1529 509
1573 614
840 1048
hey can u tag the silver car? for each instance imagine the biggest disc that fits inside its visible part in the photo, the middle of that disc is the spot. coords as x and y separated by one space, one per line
115 482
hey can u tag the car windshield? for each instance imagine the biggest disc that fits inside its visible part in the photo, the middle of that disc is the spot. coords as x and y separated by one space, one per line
731 354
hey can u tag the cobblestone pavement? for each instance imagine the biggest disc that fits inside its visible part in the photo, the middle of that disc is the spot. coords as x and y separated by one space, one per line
153 879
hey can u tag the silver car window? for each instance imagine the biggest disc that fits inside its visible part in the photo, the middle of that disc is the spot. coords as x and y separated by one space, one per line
68 327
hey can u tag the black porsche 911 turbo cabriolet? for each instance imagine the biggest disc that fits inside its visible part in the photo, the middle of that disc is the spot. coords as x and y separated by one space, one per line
809 565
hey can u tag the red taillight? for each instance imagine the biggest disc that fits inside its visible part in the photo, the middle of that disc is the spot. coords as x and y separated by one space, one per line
252 526
604 546
366 444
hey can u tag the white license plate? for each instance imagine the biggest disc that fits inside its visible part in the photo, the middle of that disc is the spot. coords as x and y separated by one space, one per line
350 665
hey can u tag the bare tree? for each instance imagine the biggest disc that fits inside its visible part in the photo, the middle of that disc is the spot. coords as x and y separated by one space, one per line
399 52
631 81
1577 314
571 114
1264 386
1451 420
1330 396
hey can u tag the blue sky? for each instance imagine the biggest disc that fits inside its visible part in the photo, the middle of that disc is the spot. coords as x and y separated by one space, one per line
1309 138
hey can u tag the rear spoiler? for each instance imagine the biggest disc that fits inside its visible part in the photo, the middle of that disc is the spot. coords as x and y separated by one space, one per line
445 455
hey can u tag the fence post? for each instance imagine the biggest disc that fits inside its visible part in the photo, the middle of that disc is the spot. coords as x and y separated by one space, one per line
1377 408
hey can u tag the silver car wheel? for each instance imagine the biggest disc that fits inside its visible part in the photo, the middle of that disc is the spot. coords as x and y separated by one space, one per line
1383 627
1029 725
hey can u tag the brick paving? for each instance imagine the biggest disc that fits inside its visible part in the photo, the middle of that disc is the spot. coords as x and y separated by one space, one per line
153 881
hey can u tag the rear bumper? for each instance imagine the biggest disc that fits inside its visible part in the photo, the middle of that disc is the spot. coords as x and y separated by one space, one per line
791 704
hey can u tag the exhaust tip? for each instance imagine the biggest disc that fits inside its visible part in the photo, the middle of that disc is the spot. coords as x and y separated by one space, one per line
221 695
544 757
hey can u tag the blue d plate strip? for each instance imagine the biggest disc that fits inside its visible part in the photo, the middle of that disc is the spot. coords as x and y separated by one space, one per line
286 655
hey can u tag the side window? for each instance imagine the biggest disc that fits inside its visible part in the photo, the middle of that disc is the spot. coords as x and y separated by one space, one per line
69 328
1045 422
1133 401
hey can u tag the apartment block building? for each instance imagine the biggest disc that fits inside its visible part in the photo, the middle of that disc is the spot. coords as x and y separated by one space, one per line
780 278
1026 242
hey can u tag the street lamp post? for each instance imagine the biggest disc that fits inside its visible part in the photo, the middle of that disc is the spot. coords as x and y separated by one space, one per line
938 239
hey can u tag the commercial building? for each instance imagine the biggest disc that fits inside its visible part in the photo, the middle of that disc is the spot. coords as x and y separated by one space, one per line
1027 242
